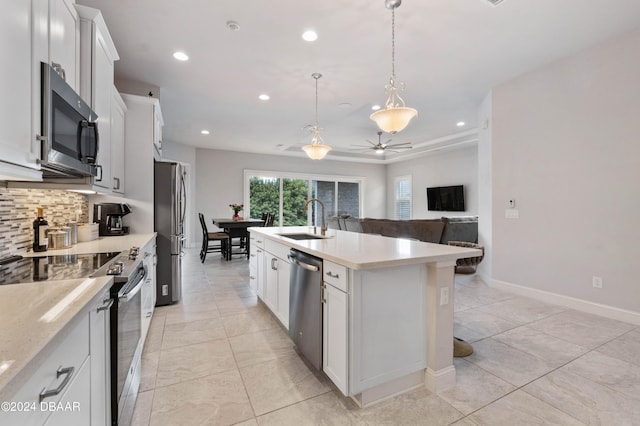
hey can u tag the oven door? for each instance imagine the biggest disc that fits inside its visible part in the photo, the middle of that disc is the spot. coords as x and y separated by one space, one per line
128 348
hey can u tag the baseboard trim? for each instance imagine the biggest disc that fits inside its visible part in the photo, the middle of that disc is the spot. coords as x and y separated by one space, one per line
569 302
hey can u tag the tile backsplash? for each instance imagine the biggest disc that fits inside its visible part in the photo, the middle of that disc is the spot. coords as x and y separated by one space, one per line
18 211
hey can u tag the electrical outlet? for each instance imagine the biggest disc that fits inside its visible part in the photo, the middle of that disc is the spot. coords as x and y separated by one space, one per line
444 296
511 214
597 282
165 290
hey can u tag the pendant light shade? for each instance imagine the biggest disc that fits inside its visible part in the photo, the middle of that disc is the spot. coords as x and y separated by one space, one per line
317 150
395 116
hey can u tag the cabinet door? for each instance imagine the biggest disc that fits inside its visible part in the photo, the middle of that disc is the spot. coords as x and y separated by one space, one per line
334 336
117 142
64 40
260 273
102 94
284 268
271 288
74 408
15 84
99 356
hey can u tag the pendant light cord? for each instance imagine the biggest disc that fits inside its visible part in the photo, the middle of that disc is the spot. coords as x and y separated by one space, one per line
393 44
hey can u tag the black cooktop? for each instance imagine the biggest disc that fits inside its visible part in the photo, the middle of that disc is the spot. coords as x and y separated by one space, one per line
18 270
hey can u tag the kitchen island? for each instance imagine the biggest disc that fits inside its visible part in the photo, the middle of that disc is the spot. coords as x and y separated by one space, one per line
387 306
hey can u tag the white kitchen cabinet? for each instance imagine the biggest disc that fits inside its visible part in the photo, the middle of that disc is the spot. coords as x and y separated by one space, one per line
118 112
149 287
74 408
335 321
97 56
99 349
276 276
57 375
64 40
16 157
256 264
141 125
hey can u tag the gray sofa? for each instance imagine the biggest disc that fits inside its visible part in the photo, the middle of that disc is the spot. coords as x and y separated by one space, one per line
442 230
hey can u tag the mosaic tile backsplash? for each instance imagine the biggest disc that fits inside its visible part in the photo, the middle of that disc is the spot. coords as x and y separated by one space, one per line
18 211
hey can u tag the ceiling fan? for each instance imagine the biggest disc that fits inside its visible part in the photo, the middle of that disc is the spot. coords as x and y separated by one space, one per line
381 148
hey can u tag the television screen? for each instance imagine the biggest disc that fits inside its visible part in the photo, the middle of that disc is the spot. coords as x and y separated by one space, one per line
446 198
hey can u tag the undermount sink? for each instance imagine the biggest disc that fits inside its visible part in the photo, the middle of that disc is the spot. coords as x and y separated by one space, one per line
303 236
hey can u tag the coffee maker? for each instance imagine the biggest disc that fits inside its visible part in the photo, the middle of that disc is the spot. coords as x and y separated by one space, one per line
109 218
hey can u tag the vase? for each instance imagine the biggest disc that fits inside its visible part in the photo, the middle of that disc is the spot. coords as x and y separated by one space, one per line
236 216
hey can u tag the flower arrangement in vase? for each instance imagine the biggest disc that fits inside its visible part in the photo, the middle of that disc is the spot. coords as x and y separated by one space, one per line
237 208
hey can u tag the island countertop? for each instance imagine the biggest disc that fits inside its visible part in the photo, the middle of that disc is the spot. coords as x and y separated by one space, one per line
365 251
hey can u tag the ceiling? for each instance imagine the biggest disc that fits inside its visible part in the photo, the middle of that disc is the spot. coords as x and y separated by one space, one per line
449 54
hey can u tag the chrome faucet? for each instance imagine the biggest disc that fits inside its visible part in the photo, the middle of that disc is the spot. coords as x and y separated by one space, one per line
323 228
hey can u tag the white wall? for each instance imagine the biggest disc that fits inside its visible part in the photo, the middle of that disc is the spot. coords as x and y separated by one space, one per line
485 185
456 166
565 146
219 178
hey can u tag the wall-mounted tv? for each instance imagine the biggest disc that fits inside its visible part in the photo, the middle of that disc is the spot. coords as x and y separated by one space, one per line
446 198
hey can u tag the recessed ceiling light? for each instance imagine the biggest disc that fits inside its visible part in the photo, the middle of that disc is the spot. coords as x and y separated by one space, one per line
181 56
460 123
204 132
345 105
233 25
309 35
264 97
375 107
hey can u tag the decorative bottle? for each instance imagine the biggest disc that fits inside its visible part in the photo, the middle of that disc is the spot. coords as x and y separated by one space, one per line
40 233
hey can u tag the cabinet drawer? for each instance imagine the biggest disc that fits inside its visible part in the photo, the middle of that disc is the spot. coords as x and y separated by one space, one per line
277 249
335 274
71 351
256 240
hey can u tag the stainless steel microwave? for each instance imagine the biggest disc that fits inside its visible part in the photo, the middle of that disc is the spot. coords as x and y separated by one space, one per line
69 131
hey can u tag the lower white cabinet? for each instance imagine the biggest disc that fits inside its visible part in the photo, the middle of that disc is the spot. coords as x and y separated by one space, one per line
74 408
256 265
99 347
276 280
335 321
148 287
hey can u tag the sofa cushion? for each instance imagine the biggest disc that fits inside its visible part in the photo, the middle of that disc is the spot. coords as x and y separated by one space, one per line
353 224
460 229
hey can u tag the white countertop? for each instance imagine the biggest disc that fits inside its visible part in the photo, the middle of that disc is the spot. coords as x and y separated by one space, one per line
100 245
35 316
366 251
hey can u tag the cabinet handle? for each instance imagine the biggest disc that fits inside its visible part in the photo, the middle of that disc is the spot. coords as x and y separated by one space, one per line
259 251
99 167
148 315
116 181
58 68
332 275
48 393
251 277
274 263
322 299
106 306
253 255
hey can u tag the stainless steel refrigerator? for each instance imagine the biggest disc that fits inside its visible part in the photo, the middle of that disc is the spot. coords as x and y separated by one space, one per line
170 204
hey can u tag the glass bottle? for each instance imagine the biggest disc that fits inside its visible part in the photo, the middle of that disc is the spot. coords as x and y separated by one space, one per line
40 233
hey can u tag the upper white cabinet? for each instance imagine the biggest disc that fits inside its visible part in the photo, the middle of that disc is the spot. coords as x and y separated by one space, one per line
118 112
97 55
15 85
64 40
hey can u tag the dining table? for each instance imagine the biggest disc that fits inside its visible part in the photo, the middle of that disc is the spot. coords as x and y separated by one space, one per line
238 229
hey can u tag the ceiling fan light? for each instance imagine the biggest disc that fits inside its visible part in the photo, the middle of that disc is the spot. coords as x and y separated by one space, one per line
393 120
316 151
379 150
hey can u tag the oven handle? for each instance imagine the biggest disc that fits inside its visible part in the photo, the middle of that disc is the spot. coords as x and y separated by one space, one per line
135 290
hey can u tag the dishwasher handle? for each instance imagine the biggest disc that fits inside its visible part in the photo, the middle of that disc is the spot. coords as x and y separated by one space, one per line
312 268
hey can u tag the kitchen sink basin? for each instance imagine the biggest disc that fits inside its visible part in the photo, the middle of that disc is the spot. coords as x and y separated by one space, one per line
303 236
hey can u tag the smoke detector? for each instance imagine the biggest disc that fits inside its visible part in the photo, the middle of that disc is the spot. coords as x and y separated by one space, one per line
233 25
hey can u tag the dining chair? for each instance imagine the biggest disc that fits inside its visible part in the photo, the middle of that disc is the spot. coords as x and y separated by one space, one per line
209 240
268 219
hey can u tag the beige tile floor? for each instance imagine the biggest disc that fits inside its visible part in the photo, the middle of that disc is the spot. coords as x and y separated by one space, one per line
219 358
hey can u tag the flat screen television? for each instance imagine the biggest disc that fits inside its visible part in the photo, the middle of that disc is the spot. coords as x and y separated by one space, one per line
446 198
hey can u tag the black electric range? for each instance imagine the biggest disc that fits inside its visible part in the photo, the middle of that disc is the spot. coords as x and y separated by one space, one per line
18 270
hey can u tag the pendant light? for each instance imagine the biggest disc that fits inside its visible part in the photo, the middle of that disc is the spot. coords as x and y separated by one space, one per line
317 150
395 116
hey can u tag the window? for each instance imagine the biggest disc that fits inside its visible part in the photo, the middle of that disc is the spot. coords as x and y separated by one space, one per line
284 195
403 197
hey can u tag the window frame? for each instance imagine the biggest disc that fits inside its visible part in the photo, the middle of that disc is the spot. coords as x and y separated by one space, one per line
397 199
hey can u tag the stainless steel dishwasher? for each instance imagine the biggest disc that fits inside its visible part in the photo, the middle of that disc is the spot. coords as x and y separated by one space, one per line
305 306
